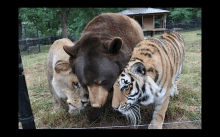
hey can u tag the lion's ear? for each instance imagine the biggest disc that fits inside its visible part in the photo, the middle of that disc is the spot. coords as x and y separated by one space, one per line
115 45
63 67
70 50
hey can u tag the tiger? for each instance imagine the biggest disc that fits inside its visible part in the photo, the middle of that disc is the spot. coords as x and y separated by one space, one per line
150 77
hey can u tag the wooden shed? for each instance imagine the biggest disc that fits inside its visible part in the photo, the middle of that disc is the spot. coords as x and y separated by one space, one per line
146 18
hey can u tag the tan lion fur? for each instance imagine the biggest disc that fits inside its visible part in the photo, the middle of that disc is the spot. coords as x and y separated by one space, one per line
61 79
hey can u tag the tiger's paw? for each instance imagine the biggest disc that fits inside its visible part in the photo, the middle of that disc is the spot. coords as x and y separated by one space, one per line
176 92
155 88
155 126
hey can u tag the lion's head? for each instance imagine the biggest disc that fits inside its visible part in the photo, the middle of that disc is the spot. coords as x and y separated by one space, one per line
64 82
67 86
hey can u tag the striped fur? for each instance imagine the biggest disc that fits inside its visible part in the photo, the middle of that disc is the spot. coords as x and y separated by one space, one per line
150 77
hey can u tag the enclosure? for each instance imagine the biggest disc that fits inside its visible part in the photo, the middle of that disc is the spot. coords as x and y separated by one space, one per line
181 110
147 17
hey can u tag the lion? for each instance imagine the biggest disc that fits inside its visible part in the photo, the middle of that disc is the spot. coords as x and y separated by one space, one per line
66 91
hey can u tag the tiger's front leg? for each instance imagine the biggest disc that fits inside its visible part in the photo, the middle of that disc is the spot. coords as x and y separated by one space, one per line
159 114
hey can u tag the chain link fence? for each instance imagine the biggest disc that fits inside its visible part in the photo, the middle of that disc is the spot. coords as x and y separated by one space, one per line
194 23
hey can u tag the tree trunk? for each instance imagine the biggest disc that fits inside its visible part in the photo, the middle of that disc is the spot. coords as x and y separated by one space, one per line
64 23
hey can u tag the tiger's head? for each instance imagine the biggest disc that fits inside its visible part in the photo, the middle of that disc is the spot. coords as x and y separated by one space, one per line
133 87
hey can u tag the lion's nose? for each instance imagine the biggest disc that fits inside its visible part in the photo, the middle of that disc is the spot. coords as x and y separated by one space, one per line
96 105
115 106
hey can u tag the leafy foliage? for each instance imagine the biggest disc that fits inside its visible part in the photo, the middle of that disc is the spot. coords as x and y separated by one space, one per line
185 14
45 19
79 18
48 20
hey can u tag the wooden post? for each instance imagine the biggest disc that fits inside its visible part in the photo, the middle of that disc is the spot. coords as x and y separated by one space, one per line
20 29
38 46
164 22
152 33
27 45
64 22
153 23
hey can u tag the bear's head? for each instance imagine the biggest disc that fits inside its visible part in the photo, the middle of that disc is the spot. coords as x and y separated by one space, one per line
97 60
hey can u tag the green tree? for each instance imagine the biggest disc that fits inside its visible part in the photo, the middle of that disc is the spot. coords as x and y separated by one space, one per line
72 21
45 19
69 20
79 18
186 14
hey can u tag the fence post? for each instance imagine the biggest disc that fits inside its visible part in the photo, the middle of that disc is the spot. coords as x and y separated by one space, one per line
25 113
20 29
173 24
187 22
25 31
38 46
27 45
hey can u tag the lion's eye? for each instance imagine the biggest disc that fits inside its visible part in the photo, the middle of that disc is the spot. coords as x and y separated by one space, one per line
75 84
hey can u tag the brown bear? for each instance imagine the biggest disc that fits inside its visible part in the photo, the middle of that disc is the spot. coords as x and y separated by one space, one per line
102 52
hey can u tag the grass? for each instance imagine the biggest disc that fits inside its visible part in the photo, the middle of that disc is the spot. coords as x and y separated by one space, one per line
186 106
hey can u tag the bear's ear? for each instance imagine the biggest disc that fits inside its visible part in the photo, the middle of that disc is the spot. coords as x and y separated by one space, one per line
115 45
62 67
138 68
70 50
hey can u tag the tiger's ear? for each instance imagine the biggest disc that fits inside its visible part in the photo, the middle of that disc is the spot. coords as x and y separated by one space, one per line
62 67
70 50
115 45
138 68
